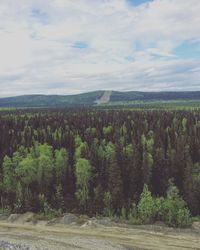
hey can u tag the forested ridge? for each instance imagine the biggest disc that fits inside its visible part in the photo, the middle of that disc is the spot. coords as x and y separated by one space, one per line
91 98
101 161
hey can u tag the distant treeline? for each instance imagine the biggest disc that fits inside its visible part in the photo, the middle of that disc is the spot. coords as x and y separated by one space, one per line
89 160
91 98
142 96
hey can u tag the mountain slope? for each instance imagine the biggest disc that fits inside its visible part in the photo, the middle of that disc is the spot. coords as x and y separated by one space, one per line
142 96
92 98
51 100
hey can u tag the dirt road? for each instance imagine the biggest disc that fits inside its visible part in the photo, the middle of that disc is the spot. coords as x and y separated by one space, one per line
28 237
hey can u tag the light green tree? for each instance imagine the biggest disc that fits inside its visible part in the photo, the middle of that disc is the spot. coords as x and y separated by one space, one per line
146 206
175 212
83 172
61 165
8 174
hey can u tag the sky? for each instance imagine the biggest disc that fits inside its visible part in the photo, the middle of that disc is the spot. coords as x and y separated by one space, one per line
74 46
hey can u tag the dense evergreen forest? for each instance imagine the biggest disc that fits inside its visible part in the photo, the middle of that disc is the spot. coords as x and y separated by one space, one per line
100 161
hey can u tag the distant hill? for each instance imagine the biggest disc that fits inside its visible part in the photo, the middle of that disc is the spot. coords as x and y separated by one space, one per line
142 96
51 100
94 98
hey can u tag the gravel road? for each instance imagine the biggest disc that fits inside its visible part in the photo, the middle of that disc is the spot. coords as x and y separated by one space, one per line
56 237
18 237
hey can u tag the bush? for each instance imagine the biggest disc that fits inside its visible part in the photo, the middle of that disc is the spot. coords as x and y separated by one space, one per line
146 207
46 212
5 210
184 218
133 215
172 209
158 205
175 213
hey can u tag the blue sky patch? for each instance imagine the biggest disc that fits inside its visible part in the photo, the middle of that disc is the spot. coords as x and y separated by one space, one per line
80 45
138 2
39 15
188 49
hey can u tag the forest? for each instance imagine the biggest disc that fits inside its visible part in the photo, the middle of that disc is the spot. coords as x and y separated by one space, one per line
131 99
140 165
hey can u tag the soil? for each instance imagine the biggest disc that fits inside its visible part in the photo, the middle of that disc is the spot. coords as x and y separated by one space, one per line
93 236
105 97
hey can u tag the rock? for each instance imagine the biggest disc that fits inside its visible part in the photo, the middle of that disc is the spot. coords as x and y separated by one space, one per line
105 221
69 218
196 225
90 224
42 223
13 217
3 216
28 217
66 219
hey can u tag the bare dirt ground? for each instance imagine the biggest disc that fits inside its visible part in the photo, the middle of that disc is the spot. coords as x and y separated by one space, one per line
60 237
105 97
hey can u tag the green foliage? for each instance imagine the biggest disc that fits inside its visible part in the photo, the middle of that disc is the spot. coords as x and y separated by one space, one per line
60 204
8 174
146 206
158 206
114 184
19 197
133 218
123 130
184 124
150 141
107 202
81 148
83 174
46 212
175 212
91 131
128 151
26 170
5 210
61 165
172 210
74 156
196 172
123 213
107 130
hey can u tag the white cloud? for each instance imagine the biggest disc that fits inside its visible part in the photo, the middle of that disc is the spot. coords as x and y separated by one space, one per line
128 47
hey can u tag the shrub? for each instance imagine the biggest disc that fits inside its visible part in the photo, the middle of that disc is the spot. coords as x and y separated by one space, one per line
46 212
172 209
146 207
175 212
158 205
133 215
184 218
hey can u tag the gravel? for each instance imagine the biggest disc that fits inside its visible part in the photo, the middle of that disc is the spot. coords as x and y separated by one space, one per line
5 245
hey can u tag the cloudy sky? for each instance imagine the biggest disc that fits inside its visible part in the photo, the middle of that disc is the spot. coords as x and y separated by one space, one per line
74 46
